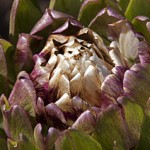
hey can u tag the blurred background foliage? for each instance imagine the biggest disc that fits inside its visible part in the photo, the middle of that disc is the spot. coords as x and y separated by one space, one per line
5 6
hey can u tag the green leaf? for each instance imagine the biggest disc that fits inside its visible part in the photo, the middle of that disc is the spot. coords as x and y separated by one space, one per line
2 134
3 72
12 145
70 7
89 11
18 128
140 26
144 142
3 65
5 44
16 121
136 8
123 4
4 103
9 54
3 144
24 14
3 85
134 116
110 130
73 139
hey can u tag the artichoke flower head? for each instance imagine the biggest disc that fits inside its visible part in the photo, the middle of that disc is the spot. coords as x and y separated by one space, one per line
70 69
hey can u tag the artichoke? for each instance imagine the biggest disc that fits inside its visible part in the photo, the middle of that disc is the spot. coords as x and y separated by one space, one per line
76 77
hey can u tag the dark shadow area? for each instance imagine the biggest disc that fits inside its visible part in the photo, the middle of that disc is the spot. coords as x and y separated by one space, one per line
5 7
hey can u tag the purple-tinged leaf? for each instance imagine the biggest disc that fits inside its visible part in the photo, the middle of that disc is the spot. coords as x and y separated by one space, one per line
46 142
23 93
23 56
85 122
54 111
148 26
52 20
39 71
44 22
40 77
144 52
38 60
79 104
112 88
39 139
96 112
72 26
136 83
24 52
118 27
100 23
40 107
119 71
51 137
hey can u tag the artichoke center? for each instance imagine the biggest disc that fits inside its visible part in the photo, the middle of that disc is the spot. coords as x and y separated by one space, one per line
70 66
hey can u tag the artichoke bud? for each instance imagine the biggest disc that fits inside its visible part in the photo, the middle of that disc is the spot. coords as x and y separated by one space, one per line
69 71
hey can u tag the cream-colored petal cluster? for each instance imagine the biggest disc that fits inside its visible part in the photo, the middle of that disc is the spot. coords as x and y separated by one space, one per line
76 67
